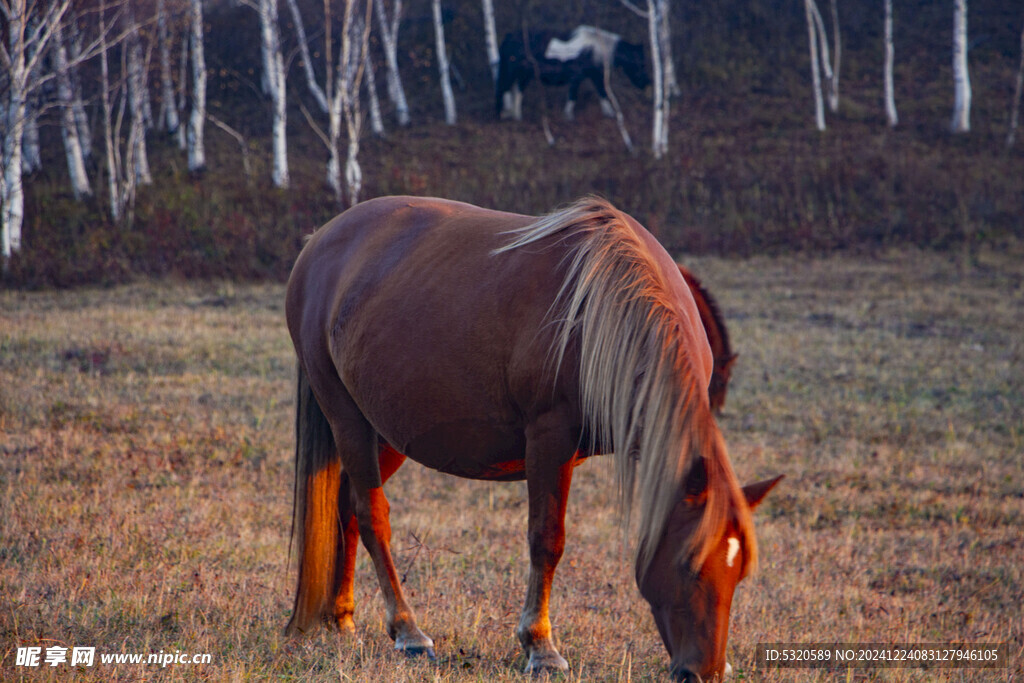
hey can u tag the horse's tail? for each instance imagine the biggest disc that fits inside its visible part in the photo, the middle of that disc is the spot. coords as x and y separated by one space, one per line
315 513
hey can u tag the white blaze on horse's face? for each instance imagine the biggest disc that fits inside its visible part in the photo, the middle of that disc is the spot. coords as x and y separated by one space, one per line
691 605
734 548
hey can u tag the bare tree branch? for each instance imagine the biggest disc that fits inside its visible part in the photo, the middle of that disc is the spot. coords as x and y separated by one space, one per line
242 143
307 63
634 9
314 125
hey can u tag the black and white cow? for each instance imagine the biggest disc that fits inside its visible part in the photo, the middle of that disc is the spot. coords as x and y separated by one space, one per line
586 53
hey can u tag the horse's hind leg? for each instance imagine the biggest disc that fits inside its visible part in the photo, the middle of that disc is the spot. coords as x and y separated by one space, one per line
372 512
345 566
516 100
358 450
548 489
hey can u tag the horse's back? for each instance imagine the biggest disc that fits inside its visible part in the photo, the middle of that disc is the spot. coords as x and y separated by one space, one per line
431 334
360 249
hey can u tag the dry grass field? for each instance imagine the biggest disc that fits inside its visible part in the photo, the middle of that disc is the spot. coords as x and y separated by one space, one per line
146 481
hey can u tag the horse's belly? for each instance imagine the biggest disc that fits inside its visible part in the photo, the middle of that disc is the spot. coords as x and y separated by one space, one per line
471 449
557 74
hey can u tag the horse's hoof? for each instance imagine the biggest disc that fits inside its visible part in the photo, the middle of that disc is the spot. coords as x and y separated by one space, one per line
346 626
418 651
546 663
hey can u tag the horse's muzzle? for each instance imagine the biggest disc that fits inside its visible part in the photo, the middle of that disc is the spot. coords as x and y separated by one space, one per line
684 675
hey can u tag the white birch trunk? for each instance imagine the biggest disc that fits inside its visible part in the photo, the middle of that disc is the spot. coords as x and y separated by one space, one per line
109 147
333 158
833 85
122 176
274 78
69 127
442 64
345 103
961 78
130 182
307 63
197 118
137 99
812 31
12 198
114 179
376 120
671 82
891 117
335 84
350 104
389 37
659 128
31 159
108 133
823 53
168 118
183 74
20 57
77 105
491 36
138 81
1011 136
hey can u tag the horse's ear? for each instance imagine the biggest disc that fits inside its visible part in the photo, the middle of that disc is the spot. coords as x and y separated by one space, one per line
756 492
697 477
696 484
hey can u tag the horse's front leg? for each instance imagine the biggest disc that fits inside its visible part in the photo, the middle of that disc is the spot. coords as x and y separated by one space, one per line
600 79
570 102
549 465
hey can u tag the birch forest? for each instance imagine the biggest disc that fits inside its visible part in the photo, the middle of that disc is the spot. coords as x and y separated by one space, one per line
208 137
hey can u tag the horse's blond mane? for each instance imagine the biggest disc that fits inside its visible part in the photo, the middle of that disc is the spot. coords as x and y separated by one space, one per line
641 398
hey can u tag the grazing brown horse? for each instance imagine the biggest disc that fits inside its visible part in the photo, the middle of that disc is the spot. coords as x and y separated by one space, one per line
497 346
718 338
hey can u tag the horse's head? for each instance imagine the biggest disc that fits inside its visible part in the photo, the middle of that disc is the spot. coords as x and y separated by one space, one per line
691 604
630 58
719 385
